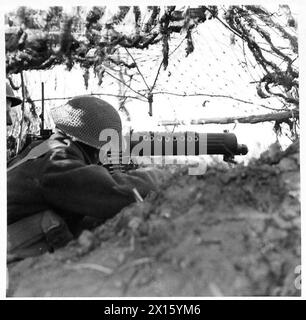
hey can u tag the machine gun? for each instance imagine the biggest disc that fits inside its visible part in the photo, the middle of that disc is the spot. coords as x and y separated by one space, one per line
215 144
225 144
157 144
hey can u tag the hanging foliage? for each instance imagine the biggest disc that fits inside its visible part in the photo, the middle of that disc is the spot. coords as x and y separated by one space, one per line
41 39
38 39
253 24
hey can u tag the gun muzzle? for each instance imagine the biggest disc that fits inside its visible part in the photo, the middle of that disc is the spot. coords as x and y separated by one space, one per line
242 149
225 143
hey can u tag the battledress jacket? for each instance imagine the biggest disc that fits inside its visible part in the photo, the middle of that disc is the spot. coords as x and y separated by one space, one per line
65 180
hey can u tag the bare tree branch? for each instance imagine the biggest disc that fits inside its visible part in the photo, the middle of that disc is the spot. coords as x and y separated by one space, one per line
279 117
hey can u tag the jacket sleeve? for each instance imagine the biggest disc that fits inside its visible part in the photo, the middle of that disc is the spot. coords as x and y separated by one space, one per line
70 185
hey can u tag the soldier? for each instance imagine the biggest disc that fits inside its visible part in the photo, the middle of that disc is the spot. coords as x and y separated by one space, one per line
11 101
53 185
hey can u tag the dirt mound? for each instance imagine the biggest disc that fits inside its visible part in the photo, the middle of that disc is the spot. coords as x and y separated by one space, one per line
230 232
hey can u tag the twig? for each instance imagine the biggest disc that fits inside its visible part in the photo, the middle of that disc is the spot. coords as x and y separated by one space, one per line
143 78
214 96
125 84
135 263
92 266
280 116
22 112
225 25
95 94
157 74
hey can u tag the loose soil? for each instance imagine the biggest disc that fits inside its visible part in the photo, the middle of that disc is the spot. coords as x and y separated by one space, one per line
231 232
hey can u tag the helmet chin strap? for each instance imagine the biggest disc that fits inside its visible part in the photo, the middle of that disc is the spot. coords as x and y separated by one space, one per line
92 153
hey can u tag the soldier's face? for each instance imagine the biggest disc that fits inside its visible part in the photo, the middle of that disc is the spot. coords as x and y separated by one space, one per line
9 121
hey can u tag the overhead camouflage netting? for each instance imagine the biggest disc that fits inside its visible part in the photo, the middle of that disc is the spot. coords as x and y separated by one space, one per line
180 65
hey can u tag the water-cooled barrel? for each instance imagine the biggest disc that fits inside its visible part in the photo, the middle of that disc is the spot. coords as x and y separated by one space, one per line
186 143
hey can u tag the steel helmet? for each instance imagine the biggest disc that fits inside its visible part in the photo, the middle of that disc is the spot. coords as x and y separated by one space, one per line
84 118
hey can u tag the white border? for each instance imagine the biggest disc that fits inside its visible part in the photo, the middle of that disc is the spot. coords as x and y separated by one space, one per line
37 3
